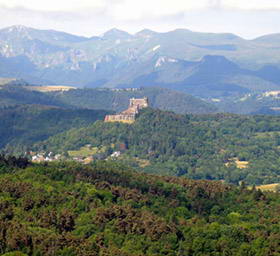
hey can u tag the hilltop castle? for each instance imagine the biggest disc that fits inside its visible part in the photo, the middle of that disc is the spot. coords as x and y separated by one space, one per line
128 116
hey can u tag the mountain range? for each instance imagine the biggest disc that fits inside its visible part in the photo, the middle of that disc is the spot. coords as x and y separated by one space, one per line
206 65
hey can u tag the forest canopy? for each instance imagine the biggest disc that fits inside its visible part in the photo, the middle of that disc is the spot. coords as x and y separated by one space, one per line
226 147
109 209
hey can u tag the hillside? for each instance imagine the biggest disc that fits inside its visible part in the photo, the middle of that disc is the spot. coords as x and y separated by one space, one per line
23 125
112 100
213 76
108 209
179 59
118 100
11 95
199 147
19 92
264 103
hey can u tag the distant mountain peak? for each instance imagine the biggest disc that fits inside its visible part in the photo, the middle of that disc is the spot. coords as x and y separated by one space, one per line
17 31
112 30
17 28
146 33
115 33
181 30
219 62
269 39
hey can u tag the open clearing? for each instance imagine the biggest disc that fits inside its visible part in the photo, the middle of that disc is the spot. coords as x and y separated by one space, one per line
239 164
268 187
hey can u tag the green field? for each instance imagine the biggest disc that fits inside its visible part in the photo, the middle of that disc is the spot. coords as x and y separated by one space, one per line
86 151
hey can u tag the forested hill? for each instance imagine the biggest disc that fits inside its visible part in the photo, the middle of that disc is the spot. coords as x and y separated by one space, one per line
112 100
12 95
108 209
223 146
118 99
23 125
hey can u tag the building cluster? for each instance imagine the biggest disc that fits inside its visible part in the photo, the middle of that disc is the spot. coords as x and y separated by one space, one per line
44 157
49 157
120 89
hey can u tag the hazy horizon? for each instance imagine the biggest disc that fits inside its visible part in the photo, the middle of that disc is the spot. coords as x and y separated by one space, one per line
249 19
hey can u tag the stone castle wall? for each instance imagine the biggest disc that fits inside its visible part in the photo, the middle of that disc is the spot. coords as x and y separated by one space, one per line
128 115
120 118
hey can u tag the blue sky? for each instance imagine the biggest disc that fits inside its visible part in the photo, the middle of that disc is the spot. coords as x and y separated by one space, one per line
247 18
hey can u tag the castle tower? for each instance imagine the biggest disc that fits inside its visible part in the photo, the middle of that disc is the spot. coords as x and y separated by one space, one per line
139 103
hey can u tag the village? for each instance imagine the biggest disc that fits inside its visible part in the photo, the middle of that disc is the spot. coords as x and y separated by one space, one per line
84 159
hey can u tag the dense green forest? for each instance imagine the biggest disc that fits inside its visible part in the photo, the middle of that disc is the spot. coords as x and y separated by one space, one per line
23 125
107 99
108 209
11 95
118 100
194 146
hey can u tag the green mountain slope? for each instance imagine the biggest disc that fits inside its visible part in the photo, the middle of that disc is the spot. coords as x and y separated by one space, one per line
199 147
118 100
21 126
11 95
108 209
114 100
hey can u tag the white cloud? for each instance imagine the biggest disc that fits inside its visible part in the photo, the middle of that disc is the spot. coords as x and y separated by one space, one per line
53 5
120 9
135 9
248 18
252 4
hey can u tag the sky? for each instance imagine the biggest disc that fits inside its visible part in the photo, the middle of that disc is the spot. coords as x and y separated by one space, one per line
246 18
